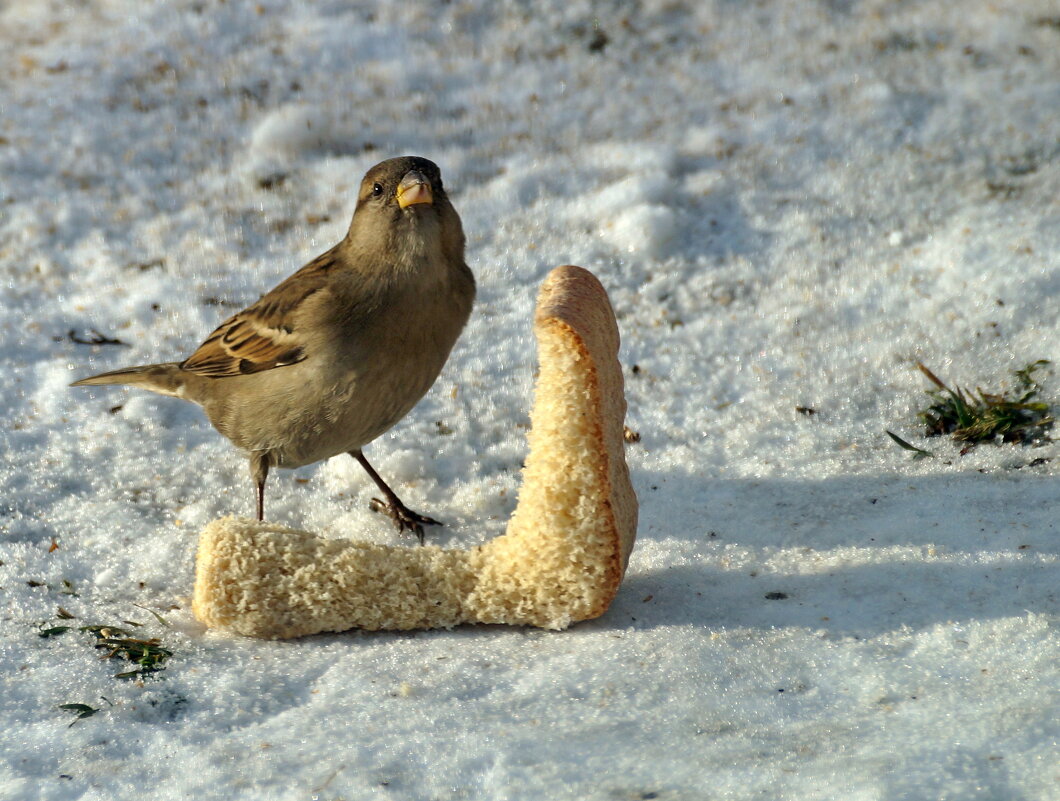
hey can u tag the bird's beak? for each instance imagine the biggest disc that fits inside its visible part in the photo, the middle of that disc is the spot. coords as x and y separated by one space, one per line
414 188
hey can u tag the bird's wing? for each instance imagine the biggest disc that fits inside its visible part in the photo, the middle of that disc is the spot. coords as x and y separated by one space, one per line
262 336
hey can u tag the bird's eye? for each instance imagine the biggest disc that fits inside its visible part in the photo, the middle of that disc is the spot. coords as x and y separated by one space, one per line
377 189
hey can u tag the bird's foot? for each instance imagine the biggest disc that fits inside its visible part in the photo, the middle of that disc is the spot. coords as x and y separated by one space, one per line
404 518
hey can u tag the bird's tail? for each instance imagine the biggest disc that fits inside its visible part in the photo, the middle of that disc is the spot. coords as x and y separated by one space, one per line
165 379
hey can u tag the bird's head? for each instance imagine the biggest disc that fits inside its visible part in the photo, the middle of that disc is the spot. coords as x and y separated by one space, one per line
403 211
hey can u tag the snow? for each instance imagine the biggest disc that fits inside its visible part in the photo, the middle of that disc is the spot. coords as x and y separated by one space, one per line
789 203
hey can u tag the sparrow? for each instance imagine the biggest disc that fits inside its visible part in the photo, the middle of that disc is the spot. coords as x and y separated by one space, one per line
339 352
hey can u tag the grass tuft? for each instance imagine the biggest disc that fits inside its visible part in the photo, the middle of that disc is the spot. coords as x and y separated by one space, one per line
975 417
1016 415
148 654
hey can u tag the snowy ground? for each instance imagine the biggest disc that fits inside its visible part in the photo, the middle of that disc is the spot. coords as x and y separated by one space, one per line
789 202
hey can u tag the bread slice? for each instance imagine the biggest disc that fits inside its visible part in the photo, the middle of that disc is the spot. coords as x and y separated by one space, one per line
561 559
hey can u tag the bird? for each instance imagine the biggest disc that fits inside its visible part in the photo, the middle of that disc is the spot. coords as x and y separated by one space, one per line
340 351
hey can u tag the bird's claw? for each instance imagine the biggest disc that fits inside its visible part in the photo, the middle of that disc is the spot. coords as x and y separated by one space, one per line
404 518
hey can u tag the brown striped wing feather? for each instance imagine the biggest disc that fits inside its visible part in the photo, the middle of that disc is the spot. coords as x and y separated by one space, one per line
261 337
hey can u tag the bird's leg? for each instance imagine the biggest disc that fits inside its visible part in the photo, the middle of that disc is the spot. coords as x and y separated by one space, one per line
259 471
403 517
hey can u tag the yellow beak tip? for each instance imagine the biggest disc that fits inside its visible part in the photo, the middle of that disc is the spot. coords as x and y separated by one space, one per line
413 194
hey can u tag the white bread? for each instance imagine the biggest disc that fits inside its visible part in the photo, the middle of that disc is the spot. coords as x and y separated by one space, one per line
561 559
